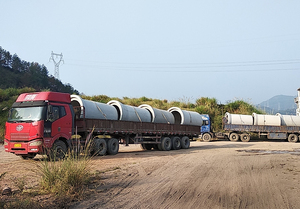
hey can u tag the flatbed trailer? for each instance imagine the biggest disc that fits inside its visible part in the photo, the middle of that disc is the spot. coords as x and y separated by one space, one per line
135 132
236 132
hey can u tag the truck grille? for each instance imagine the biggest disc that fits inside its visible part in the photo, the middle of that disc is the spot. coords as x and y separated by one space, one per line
19 136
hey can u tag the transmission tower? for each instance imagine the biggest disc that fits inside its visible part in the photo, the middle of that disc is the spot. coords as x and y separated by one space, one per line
57 59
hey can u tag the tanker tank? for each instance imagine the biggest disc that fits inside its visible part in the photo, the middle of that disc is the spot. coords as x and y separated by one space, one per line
289 120
130 113
266 120
185 117
159 116
238 119
92 110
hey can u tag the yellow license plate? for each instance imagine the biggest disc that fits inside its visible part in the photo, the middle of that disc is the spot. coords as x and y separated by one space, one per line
17 145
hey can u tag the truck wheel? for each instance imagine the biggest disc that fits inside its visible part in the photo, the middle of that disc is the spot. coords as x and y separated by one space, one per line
245 137
166 144
100 147
185 142
206 137
176 144
58 150
234 137
113 146
293 138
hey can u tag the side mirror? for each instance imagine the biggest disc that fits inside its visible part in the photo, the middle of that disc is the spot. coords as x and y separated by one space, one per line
50 113
50 109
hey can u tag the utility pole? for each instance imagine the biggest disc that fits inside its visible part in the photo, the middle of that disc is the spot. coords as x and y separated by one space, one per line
56 63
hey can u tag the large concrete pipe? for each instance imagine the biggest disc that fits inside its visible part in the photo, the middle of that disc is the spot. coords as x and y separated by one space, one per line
92 110
159 116
185 117
237 119
266 120
289 120
130 113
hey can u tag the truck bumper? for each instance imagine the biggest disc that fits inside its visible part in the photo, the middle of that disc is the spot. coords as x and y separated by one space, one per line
24 148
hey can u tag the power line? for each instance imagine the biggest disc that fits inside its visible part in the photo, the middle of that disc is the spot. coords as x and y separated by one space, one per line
193 67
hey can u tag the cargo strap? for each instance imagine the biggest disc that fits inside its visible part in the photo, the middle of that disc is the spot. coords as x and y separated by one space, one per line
137 115
101 111
165 118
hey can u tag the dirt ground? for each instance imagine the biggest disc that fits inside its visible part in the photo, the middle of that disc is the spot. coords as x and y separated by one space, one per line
219 174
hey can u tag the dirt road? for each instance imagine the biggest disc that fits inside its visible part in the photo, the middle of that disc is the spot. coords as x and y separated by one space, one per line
217 174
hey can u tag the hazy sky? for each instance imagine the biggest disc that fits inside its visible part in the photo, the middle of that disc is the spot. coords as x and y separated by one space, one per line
164 49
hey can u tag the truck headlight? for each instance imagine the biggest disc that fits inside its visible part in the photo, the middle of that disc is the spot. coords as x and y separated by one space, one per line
35 143
5 143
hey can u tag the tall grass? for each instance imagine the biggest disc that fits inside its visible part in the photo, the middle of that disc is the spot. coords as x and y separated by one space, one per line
68 176
65 177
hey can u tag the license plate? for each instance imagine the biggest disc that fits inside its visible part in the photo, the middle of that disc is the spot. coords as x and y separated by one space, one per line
17 145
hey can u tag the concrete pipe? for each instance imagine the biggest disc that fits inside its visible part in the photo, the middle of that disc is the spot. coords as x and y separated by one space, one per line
130 113
266 120
159 116
289 120
92 110
185 117
237 119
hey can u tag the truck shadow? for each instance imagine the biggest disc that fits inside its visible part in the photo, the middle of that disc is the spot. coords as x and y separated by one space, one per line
196 146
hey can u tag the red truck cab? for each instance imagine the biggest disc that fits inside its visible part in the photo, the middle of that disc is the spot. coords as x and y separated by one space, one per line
36 121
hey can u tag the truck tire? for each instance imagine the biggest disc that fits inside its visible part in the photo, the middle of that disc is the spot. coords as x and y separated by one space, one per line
293 138
185 142
176 143
112 146
245 137
99 147
166 144
206 137
234 137
58 150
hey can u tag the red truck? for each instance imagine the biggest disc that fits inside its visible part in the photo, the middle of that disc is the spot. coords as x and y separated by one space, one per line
46 123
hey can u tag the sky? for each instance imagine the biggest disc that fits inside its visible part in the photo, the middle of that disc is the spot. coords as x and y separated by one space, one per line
161 49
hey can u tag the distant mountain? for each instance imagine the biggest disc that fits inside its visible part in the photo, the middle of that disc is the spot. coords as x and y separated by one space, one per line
279 104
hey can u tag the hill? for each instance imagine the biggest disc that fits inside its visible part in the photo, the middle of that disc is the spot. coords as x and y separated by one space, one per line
17 73
279 104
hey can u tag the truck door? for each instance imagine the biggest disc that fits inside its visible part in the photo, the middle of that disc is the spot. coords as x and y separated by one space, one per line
59 121
205 128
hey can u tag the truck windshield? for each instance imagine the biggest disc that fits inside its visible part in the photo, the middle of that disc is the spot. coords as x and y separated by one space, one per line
26 114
